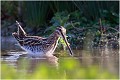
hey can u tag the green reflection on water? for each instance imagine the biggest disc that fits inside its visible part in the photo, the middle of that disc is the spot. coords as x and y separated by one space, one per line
67 69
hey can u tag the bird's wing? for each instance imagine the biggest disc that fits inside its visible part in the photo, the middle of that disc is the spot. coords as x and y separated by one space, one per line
31 40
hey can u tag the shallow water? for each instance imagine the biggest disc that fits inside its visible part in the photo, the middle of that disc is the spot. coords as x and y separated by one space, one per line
105 58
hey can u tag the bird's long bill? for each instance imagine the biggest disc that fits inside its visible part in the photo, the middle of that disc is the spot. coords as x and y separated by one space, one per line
71 53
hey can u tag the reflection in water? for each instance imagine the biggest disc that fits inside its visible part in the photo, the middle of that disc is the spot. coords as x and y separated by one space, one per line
105 58
16 59
34 62
109 62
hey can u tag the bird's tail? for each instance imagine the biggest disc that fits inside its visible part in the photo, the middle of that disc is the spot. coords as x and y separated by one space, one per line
20 34
20 31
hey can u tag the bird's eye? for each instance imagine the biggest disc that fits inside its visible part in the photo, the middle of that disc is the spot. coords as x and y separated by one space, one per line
58 28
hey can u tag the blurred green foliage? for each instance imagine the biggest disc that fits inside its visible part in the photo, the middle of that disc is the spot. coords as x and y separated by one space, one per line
9 9
67 69
93 9
37 13
78 27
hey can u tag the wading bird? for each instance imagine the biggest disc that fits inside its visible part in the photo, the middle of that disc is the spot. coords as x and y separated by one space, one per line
39 46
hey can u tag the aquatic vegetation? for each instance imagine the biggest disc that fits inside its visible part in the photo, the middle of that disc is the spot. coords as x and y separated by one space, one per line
68 69
79 27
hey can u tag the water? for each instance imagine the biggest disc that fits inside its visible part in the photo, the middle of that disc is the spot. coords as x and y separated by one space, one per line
105 58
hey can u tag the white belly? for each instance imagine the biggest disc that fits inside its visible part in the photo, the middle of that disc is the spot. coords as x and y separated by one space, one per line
34 53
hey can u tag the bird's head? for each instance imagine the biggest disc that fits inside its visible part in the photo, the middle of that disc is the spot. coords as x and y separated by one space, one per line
62 32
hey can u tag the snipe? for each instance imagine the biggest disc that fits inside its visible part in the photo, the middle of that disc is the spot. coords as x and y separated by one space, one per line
39 46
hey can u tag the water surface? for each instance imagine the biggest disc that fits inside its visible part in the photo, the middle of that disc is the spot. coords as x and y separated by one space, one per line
105 58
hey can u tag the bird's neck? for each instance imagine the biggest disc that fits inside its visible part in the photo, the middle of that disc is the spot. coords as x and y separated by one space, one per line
53 37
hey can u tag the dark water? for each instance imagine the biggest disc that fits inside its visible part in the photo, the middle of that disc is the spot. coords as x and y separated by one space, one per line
105 58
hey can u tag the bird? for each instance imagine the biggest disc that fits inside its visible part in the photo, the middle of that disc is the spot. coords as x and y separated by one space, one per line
39 46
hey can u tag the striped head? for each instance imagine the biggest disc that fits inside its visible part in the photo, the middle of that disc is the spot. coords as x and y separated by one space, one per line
62 32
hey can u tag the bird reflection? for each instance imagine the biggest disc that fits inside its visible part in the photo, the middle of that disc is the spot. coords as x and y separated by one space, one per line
34 62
